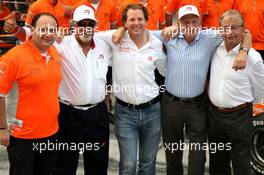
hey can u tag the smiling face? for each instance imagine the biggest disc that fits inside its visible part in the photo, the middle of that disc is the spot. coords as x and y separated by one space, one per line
44 33
233 30
135 22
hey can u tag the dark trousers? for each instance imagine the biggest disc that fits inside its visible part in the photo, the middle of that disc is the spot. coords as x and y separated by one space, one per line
234 132
26 158
176 116
89 130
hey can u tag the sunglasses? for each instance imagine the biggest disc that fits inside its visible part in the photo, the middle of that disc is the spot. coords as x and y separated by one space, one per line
91 24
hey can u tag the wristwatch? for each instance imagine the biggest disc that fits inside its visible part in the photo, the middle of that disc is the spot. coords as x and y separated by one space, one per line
244 49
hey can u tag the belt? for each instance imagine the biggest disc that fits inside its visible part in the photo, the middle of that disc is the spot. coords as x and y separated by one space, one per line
139 106
184 100
230 110
81 107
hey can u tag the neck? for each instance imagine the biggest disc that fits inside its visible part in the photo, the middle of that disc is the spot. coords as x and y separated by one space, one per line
189 39
140 40
40 49
230 46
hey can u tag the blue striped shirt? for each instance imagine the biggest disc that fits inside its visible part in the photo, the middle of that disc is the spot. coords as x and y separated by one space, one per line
188 64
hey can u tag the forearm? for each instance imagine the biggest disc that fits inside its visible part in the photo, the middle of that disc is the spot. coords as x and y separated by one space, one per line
247 40
3 123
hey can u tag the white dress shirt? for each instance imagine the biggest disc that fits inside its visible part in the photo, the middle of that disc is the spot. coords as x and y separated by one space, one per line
84 77
229 88
133 68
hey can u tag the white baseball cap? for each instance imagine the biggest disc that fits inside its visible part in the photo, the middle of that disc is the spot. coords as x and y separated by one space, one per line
83 12
186 10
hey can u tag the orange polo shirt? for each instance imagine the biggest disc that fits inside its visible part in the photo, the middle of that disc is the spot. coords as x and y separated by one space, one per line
45 6
38 85
156 13
253 14
215 9
173 5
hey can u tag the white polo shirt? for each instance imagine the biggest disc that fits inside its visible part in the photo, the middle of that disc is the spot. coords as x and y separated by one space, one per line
229 88
84 77
133 68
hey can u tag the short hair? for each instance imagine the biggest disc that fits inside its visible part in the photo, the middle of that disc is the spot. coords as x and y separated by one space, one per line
37 16
134 6
229 13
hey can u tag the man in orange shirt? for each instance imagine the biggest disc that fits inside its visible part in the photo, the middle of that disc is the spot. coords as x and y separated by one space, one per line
35 67
155 12
214 10
253 13
172 7
105 14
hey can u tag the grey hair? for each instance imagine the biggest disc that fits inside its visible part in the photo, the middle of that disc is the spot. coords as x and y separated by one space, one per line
229 13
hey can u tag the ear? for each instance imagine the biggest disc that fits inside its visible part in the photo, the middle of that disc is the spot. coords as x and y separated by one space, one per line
125 24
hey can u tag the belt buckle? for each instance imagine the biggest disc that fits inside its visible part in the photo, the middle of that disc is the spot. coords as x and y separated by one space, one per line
183 100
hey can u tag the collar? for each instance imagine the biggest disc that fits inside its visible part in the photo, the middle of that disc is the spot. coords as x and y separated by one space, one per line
35 52
149 34
197 37
235 50
78 44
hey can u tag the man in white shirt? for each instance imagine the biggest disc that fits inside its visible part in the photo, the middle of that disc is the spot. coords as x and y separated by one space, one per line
232 93
137 110
83 118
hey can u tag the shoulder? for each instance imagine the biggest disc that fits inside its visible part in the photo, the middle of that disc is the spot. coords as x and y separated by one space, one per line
99 43
254 57
14 54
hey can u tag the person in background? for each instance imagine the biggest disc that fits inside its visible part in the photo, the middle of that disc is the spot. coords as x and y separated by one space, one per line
252 12
173 6
214 10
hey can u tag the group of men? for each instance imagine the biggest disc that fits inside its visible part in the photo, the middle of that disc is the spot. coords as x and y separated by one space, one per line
70 75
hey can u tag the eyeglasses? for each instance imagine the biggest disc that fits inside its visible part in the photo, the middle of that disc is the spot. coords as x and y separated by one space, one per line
232 28
91 24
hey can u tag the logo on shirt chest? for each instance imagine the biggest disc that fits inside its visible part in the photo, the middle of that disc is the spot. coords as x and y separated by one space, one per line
101 58
150 58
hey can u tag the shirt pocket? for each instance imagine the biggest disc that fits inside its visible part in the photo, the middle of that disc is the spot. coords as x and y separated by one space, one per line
101 69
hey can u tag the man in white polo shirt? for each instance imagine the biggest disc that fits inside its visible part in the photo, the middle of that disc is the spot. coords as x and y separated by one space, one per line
83 115
232 93
137 111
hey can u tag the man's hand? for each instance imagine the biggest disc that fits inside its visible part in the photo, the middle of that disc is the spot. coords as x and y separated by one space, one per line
4 137
107 101
240 61
170 32
118 35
